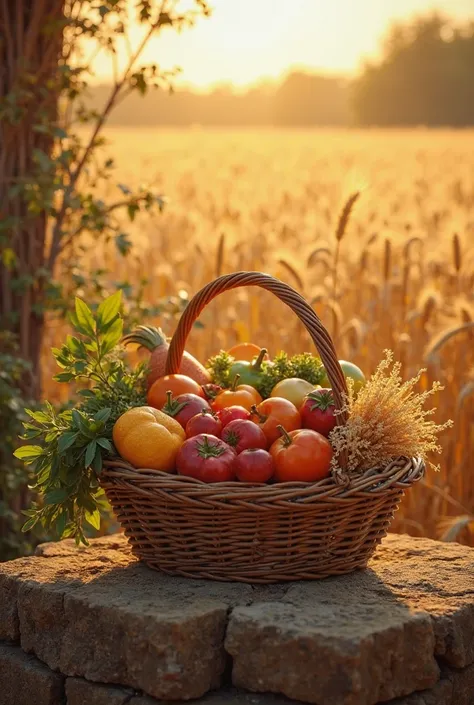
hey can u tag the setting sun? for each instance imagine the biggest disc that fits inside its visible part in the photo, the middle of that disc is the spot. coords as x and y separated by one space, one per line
249 41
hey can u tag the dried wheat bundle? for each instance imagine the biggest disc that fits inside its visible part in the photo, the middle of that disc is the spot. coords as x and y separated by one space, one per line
387 420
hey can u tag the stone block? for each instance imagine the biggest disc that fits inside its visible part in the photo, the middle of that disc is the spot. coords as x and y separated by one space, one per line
102 615
437 578
360 639
26 681
462 682
333 652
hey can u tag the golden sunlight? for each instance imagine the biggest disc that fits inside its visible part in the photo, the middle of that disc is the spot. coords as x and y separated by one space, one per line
251 41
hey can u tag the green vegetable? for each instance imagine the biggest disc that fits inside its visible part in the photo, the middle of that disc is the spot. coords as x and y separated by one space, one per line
71 445
248 372
304 366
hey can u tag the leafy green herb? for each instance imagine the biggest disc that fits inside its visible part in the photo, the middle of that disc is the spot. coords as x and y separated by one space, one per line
70 446
307 366
219 367
304 365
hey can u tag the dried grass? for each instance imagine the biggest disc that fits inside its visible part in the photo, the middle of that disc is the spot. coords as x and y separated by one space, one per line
387 420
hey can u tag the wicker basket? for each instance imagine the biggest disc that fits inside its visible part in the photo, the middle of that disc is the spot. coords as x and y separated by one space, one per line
257 533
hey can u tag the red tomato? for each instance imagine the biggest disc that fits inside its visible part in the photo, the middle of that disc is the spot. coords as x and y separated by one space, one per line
241 435
301 456
230 413
317 411
204 422
274 412
206 458
254 465
184 407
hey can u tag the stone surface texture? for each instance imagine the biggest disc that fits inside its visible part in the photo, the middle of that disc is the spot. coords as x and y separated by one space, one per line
400 632
26 681
82 692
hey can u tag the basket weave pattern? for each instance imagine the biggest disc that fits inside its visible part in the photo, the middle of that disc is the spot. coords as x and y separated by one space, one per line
257 533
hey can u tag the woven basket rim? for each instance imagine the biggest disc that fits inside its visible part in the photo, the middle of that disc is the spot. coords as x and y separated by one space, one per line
399 473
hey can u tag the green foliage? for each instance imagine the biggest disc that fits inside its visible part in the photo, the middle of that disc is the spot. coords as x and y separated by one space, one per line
304 365
52 196
13 476
51 215
424 77
219 366
97 285
70 445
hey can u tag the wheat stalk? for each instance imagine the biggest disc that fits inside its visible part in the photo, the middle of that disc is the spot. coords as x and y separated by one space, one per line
345 215
339 234
440 341
318 254
457 256
291 270
387 260
220 255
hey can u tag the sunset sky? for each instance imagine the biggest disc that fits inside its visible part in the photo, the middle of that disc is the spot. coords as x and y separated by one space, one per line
247 40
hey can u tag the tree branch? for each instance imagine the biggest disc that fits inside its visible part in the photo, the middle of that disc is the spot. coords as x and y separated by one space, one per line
57 230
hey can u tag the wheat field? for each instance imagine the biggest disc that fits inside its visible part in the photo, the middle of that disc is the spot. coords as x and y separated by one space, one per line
270 200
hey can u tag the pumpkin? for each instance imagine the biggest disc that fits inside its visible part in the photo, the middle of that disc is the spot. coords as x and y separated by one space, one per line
154 340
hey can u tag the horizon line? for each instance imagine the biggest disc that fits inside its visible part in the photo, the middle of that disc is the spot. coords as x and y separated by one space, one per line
262 81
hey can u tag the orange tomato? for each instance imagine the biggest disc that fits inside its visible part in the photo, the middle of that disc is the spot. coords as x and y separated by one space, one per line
251 390
243 395
176 384
301 456
148 438
274 412
246 351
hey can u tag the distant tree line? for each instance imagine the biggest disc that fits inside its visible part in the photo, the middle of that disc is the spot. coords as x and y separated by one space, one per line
301 99
425 77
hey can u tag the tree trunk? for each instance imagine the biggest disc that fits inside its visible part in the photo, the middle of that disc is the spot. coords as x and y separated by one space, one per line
30 46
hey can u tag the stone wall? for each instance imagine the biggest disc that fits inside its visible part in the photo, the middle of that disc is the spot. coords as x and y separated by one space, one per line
95 627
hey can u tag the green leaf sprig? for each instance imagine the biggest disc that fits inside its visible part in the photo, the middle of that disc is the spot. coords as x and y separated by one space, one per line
71 445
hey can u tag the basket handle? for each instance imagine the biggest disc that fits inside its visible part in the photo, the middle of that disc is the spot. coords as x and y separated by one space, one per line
285 293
